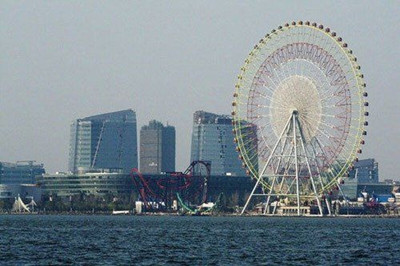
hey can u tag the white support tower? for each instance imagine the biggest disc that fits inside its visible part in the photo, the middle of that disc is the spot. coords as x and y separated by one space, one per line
292 175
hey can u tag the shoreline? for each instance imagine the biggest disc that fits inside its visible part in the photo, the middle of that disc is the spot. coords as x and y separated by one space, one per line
382 216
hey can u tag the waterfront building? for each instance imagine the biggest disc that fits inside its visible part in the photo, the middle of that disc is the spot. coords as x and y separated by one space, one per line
212 140
364 178
25 191
96 182
104 141
21 172
157 148
101 183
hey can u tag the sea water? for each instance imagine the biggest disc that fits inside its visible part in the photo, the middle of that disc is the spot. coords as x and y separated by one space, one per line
179 240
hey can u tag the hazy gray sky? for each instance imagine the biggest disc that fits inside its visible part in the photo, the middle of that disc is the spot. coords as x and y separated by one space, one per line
62 60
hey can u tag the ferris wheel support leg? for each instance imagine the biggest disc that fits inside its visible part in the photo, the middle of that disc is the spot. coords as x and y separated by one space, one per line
250 196
275 178
274 210
266 165
318 168
269 196
328 205
287 166
309 169
296 162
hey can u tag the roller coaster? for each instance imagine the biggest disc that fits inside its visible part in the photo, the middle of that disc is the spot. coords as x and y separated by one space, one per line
188 188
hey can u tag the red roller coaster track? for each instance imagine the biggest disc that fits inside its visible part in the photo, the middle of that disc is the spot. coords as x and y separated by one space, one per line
166 187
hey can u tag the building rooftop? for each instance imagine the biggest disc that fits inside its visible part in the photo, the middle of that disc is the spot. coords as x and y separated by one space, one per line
124 115
202 117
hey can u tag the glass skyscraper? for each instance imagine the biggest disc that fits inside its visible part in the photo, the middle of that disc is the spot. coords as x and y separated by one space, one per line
212 140
105 141
157 148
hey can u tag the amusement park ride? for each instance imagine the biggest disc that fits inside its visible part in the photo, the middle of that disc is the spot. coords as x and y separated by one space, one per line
301 88
189 188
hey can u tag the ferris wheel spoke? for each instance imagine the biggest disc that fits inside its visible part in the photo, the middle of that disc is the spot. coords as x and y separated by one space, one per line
334 106
333 91
323 133
328 115
319 78
272 107
262 95
324 148
267 77
318 167
247 134
309 121
254 155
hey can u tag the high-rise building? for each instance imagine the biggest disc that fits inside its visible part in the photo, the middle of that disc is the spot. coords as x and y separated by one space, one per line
105 141
168 149
365 171
364 177
212 140
157 148
22 172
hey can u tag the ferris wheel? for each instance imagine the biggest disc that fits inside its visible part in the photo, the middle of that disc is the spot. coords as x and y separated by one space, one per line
299 113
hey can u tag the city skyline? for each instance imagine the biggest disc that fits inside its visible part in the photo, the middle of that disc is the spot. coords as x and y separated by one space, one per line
59 55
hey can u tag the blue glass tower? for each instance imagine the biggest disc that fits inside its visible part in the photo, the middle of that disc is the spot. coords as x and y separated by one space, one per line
105 141
212 140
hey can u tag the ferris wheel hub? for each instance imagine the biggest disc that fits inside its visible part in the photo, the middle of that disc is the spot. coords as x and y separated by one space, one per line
296 95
